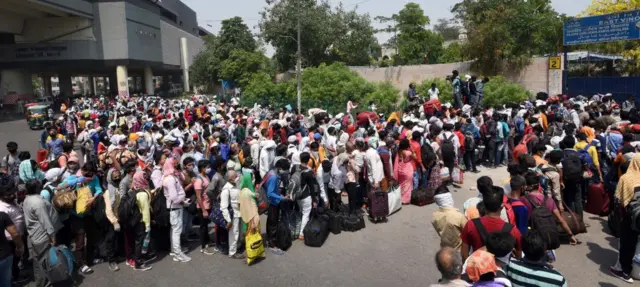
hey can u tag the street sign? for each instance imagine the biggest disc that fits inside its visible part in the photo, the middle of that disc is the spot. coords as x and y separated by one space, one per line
555 63
602 28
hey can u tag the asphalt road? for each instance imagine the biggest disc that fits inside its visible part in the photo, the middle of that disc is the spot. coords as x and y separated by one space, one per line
399 252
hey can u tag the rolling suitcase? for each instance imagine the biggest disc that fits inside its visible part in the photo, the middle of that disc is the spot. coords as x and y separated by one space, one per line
378 205
598 200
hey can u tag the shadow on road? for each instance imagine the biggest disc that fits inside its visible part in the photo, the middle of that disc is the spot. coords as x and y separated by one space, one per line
613 242
602 284
601 256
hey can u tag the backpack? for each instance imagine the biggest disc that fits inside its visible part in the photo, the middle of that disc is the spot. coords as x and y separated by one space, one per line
484 234
295 188
543 220
448 149
572 168
585 157
521 148
128 211
57 265
519 126
633 209
508 207
428 155
159 211
544 179
491 129
469 143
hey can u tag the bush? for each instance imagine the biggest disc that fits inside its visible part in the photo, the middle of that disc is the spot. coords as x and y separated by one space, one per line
328 87
499 91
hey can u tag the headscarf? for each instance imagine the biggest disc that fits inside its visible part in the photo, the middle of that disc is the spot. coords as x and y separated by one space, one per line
479 263
444 200
139 182
54 174
247 182
373 142
112 187
629 181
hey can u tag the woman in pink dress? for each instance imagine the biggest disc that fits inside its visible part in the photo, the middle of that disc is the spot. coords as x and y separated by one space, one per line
403 170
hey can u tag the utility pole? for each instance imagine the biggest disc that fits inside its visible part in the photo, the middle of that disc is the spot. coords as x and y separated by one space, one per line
299 69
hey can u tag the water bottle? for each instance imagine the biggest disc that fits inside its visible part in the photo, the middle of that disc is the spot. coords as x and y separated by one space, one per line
145 244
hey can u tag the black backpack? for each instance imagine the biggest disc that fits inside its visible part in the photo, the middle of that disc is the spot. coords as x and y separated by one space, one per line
469 142
448 149
159 211
98 210
283 236
543 220
429 157
128 212
572 168
484 234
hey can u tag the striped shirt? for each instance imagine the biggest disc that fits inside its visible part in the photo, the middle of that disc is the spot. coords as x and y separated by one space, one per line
525 273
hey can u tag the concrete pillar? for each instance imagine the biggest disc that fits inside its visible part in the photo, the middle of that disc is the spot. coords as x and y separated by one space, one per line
92 84
149 87
16 82
122 75
46 82
185 63
66 87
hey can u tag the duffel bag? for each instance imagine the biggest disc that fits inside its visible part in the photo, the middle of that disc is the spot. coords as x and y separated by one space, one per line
353 222
574 221
423 196
283 236
316 230
335 221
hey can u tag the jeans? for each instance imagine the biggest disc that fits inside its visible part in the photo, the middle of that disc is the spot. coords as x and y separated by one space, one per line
187 223
305 207
175 219
499 152
352 191
204 229
572 196
490 152
273 219
6 266
628 241
457 100
234 234
469 161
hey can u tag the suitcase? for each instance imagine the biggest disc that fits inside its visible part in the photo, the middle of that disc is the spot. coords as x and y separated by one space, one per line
378 204
335 221
423 196
598 200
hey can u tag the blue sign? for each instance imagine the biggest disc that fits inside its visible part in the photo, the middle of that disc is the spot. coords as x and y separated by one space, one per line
602 28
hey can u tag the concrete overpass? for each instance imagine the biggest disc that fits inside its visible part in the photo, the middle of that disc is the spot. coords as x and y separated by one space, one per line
113 40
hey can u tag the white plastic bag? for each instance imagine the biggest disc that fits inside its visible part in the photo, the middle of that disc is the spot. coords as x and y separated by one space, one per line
395 200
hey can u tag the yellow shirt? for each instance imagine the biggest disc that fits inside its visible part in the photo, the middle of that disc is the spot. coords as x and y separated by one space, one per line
593 152
448 223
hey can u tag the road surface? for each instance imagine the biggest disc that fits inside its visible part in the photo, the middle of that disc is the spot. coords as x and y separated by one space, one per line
399 252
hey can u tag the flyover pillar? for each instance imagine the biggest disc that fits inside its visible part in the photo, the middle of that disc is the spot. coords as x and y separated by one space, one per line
184 52
66 87
149 87
122 75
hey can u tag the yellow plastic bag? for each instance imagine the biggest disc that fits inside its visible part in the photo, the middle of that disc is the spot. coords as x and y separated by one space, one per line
84 194
254 247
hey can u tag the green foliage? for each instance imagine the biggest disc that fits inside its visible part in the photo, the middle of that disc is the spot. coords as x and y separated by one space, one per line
230 55
327 34
512 31
444 86
241 65
499 91
452 54
327 86
448 28
416 44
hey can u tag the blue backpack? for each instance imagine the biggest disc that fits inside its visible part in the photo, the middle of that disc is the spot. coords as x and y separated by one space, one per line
57 264
224 151
519 125
585 157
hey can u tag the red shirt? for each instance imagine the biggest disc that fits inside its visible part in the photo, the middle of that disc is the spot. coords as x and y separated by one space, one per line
460 139
471 236
415 146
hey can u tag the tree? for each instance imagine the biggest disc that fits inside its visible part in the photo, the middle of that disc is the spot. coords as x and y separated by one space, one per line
233 39
241 65
415 44
453 53
629 49
448 28
511 31
328 35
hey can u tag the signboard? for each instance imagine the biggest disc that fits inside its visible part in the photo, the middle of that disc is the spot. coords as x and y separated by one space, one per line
602 28
555 63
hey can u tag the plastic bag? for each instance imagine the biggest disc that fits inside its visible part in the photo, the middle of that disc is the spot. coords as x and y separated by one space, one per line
457 176
84 194
254 247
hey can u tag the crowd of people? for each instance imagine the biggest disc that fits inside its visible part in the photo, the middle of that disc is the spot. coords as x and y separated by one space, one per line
129 178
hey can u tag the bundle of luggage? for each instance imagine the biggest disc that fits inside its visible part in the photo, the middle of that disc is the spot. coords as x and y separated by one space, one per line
323 222
423 196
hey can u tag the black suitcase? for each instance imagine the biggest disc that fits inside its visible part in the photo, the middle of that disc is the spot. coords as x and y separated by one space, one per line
378 204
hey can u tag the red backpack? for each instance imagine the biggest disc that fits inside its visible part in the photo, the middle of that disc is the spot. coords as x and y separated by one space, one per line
521 148
509 208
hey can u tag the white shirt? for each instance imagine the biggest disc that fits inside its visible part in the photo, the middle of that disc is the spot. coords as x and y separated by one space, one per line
375 169
433 94
229 197
454 139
